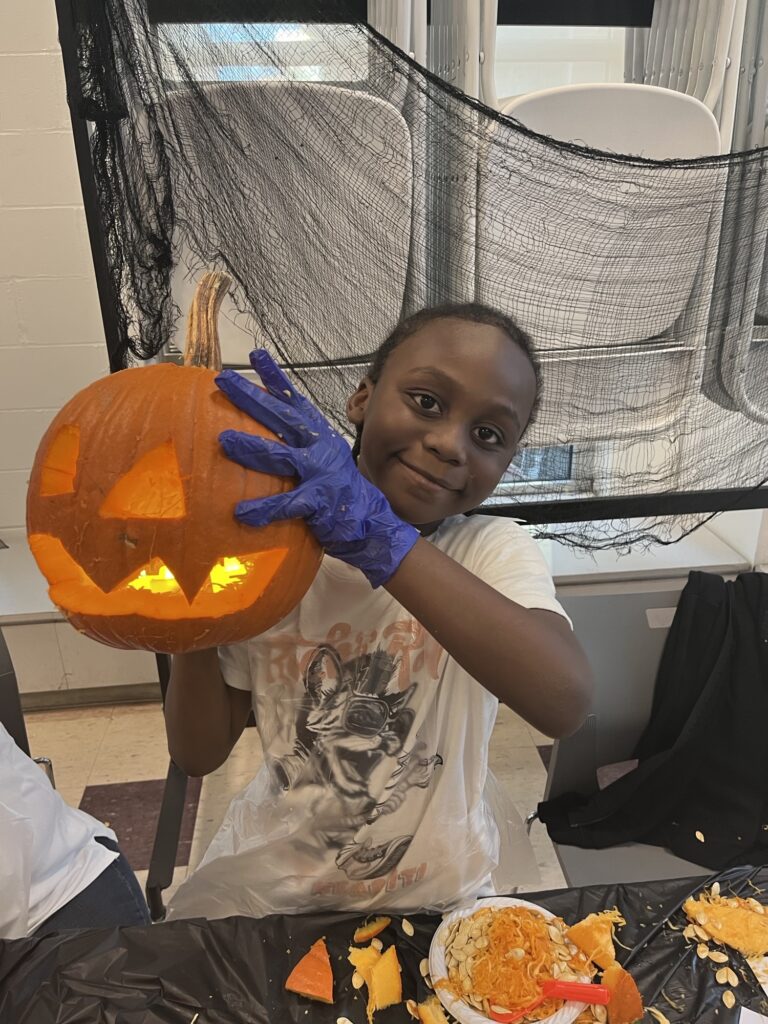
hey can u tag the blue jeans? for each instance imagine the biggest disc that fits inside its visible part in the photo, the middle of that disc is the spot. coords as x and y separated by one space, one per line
111 900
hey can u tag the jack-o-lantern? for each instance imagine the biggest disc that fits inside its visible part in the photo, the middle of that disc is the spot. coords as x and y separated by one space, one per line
130 509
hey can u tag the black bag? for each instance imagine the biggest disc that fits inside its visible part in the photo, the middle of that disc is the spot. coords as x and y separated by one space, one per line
701 787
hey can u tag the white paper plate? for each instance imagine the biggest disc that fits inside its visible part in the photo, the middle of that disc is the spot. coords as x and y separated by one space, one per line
462 1011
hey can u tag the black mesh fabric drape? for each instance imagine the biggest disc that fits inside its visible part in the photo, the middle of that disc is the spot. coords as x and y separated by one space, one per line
343 186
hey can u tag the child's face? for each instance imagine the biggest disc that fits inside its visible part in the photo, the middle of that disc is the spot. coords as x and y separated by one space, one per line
443 421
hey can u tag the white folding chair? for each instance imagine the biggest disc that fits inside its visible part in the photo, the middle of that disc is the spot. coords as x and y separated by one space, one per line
598 260
307 123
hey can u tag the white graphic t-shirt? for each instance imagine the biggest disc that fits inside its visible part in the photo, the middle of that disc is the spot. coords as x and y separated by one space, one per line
375 790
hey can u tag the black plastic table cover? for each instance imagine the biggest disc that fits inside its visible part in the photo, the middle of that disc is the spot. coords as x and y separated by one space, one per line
232 971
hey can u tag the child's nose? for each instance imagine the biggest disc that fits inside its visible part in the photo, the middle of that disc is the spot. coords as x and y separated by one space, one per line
448 443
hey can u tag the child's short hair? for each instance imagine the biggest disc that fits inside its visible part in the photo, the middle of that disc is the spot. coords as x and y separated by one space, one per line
473 312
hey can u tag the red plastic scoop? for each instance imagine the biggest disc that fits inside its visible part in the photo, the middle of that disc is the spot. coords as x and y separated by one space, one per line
579 991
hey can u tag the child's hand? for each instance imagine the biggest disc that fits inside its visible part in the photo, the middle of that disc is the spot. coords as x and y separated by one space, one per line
348 515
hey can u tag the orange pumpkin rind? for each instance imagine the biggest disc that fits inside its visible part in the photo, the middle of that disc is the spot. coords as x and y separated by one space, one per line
371 929
626 1005
312 977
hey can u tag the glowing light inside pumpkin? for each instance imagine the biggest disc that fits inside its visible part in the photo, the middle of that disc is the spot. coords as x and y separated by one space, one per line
161 581
158 578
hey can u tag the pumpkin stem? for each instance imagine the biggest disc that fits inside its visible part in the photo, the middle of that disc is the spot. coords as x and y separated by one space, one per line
202 347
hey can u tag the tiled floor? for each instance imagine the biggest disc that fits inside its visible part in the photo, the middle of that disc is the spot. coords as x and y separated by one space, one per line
96 748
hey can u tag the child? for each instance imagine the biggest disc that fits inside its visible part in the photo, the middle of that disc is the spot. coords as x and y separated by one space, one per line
375 698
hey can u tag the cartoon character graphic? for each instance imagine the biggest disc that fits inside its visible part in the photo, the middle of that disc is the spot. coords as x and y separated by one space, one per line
349 726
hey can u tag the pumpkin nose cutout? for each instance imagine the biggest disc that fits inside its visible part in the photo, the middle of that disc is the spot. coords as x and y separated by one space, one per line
151 489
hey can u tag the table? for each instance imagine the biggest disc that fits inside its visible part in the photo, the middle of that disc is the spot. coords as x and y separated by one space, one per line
232 971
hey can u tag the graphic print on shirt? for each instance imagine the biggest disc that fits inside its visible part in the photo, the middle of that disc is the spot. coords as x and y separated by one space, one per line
352 723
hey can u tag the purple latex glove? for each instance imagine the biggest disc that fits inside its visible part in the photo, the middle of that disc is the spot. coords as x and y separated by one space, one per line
348 515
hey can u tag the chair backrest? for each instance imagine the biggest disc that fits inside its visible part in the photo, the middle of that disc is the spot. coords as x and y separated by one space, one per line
602 255
349 293
626 118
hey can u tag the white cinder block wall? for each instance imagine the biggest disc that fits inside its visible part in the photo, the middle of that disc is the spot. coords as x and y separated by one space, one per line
51 338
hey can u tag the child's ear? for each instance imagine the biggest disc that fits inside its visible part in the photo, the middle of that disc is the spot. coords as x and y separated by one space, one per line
358 402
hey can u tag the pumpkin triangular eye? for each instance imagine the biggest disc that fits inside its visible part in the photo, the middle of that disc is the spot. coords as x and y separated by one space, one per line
151 489
58 471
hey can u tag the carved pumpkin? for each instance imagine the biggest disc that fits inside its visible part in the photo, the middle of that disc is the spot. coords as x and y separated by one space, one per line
130 509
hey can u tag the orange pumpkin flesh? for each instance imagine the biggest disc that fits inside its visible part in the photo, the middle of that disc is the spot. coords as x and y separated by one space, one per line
312 976
594 936
626 1005
130 517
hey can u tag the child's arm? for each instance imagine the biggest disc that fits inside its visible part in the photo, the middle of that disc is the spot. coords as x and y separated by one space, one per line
527 657
204 717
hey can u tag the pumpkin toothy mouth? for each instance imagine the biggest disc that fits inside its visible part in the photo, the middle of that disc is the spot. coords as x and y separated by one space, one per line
233 584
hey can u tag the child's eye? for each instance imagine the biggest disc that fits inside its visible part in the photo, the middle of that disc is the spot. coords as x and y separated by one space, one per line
489 436
425 402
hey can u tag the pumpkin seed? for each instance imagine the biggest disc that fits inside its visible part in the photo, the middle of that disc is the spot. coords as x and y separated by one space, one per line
700 933
732 977
729 999
555 934
377 944
412 1007
424 967
357 980
658 1015
718 957
721 977
499 1009
715 890
343 1020
600 1013
689 932
699 836
407 926
702 951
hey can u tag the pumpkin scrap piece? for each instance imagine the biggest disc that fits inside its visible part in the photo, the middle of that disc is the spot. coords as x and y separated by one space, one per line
364 959
381 974
371 929
431 1012
386 985
594 936
733 922
312 976
626 1005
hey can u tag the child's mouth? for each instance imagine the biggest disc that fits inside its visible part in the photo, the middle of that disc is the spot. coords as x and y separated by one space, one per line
426 480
